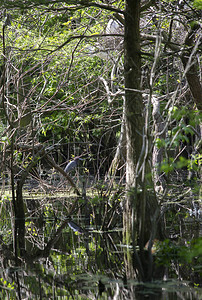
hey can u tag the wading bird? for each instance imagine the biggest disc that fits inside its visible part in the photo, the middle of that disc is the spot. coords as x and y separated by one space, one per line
72 164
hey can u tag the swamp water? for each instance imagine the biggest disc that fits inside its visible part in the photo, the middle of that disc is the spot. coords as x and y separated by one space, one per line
86 260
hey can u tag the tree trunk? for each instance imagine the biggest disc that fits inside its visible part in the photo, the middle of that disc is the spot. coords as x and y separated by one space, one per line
133 110
120 155
157 155
20 218
191 65
134 123
141 212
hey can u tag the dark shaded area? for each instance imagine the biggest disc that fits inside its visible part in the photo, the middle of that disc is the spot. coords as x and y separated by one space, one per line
66 256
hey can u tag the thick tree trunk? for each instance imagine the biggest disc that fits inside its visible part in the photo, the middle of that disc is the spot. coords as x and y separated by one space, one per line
133 102
141 212
133 110
134 125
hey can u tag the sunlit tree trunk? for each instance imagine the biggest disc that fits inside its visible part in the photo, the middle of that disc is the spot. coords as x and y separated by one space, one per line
157 155
134 106
141 208
134 119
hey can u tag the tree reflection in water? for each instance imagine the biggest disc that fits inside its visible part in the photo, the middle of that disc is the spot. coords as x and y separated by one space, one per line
68 257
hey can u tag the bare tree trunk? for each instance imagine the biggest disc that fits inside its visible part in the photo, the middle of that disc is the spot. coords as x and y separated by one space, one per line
133 110
134 125
157 155
189 61
191 65
141 212
120 155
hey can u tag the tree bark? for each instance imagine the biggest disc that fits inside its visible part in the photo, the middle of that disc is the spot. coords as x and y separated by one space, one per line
133 108
191 65
134 104
189 61
141 211
134 122
157 155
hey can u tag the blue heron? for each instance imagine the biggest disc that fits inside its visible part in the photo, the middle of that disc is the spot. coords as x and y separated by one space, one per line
72 164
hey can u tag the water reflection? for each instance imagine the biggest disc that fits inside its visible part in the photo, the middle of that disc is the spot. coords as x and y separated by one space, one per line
72 258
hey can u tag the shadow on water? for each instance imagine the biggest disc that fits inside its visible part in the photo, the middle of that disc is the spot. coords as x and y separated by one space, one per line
86 258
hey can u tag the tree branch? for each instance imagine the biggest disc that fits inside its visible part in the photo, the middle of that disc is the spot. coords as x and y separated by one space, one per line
77 4
85 37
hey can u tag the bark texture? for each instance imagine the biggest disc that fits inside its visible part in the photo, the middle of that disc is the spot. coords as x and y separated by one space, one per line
141 212
133 109
134 103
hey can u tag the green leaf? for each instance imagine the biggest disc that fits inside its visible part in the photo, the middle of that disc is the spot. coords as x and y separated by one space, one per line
198 4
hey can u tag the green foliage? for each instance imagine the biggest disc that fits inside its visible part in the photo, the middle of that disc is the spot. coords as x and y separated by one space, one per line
160 143
51 74
179 136
195 162
193 252
198 4
191 164
168 252
167 167
5 139
66 77
4 284
96 200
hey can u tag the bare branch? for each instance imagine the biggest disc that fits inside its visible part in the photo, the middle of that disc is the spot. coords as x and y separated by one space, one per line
85 37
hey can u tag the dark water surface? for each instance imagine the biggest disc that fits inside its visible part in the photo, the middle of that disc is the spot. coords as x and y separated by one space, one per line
86 261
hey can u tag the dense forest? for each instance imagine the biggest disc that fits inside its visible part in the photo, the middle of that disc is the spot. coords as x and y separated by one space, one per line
100 149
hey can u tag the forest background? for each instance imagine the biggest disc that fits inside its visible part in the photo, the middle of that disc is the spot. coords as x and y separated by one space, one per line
115 83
